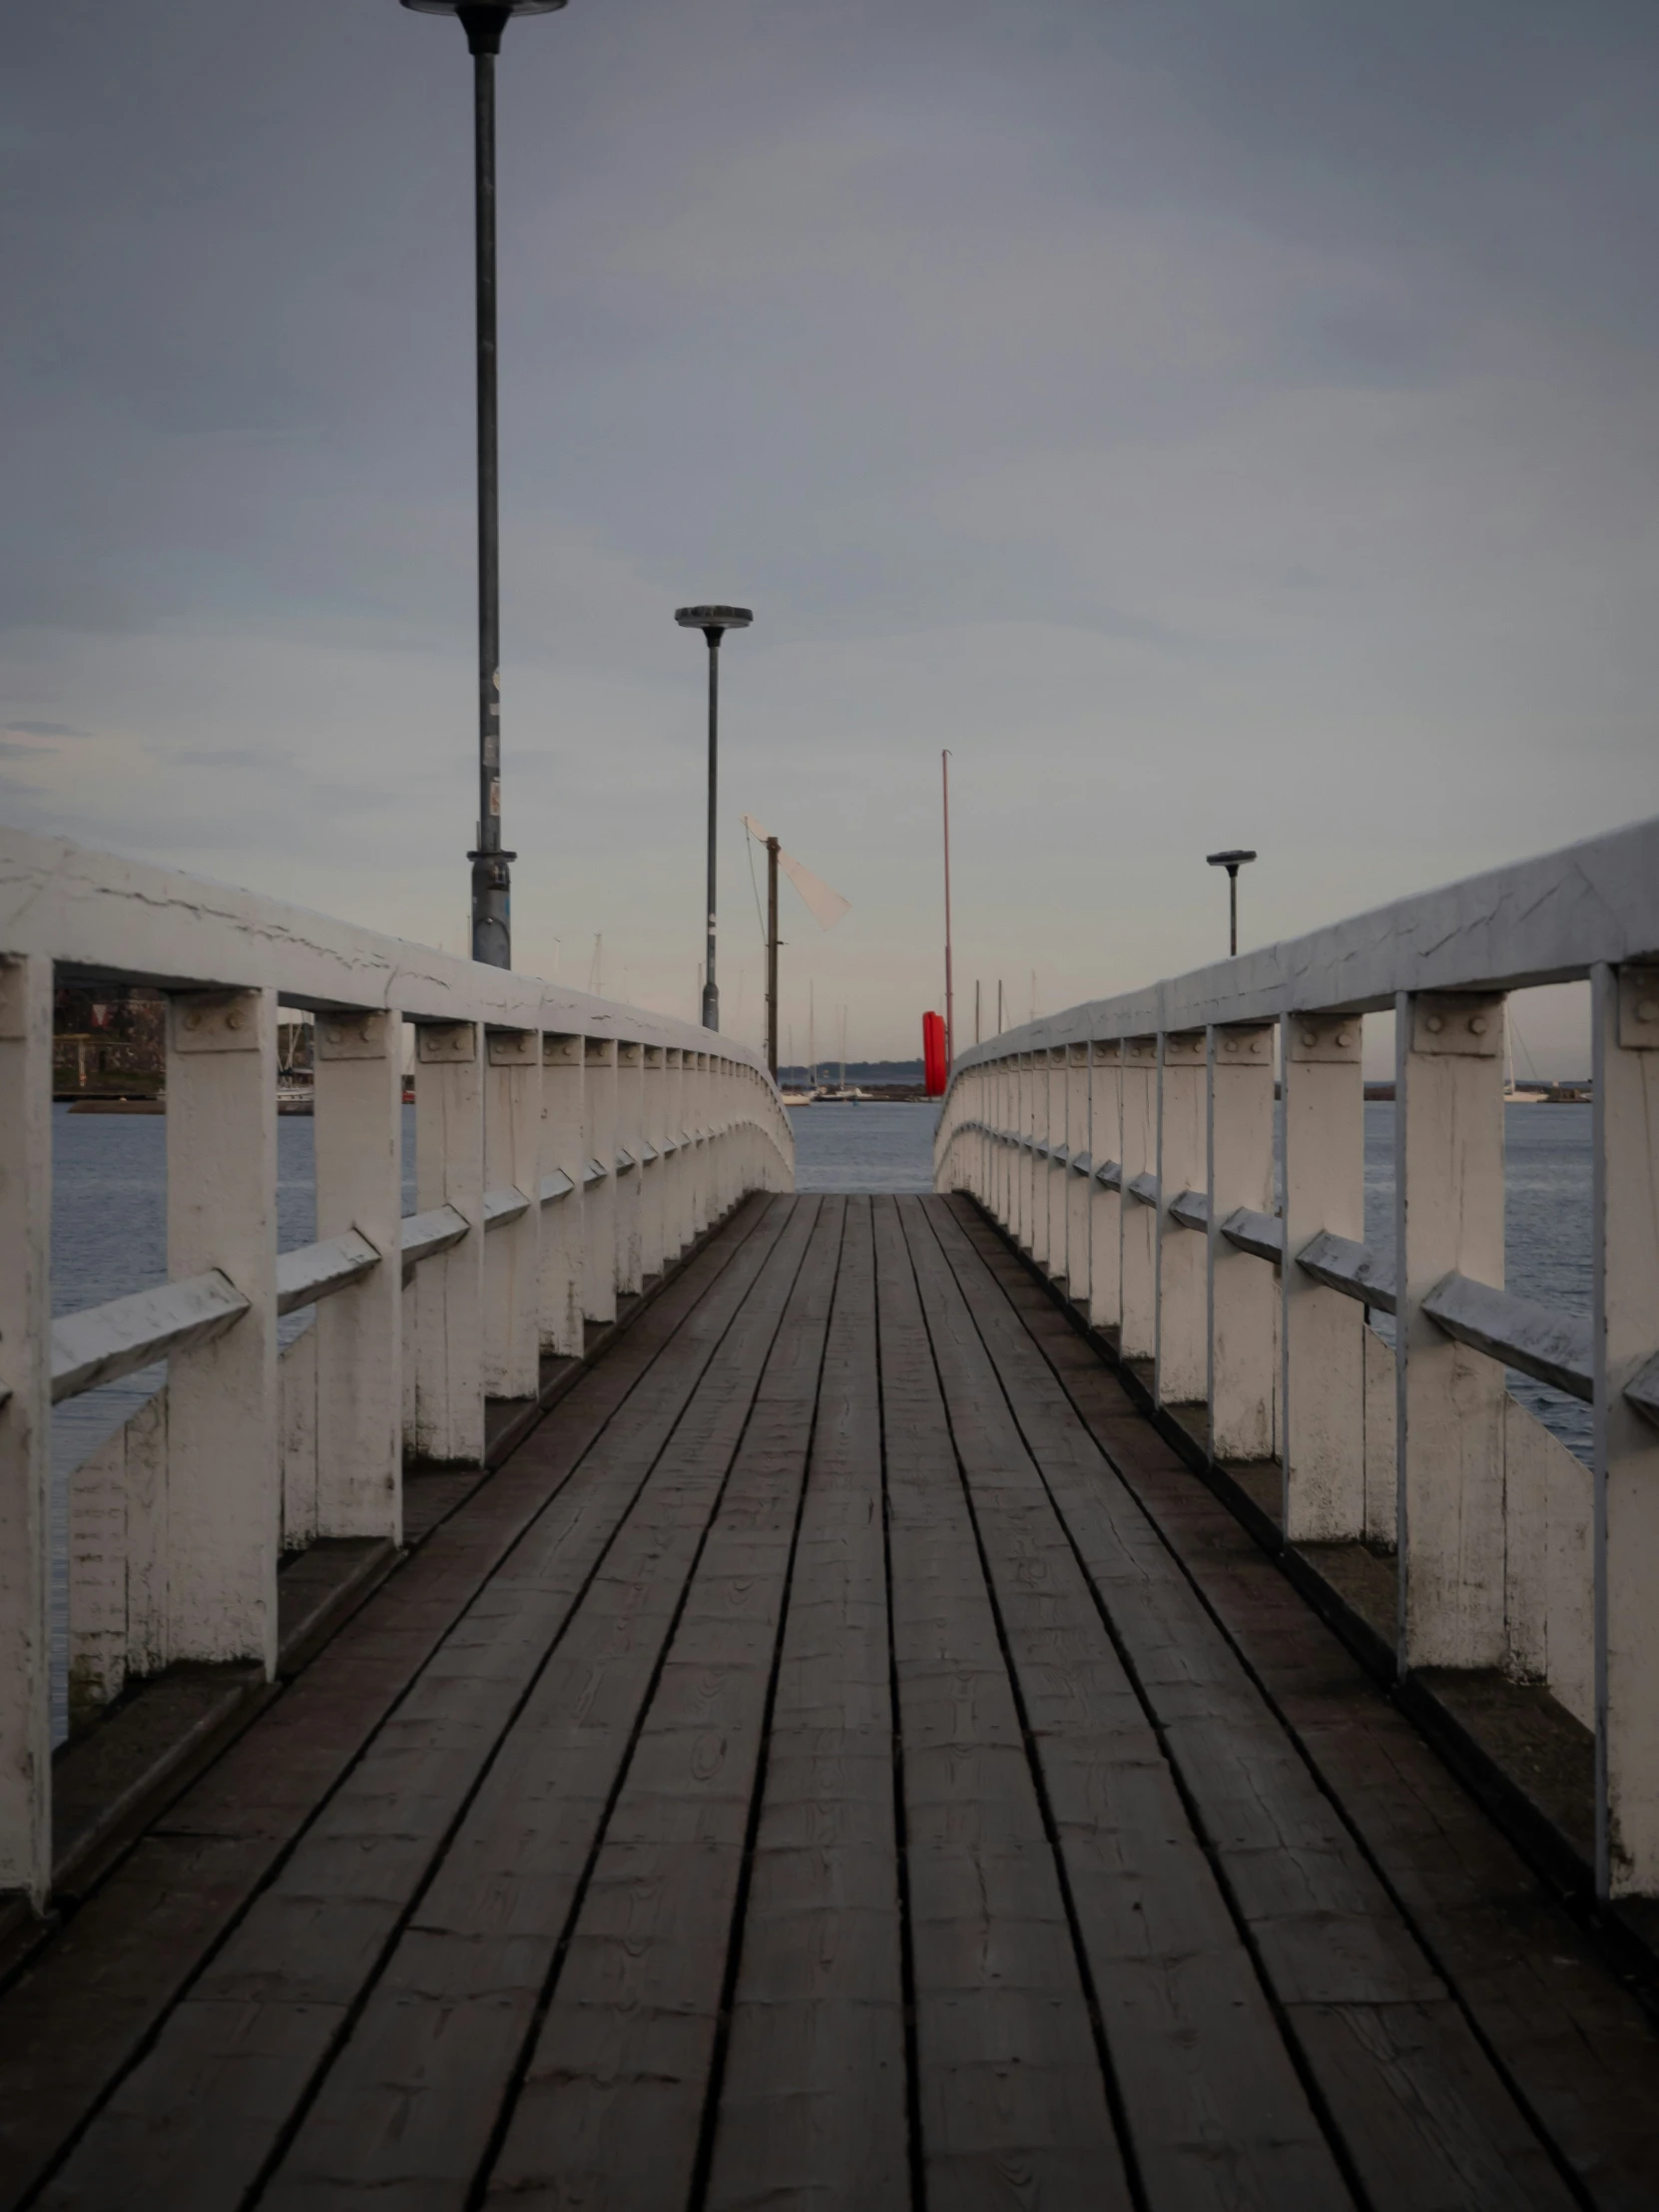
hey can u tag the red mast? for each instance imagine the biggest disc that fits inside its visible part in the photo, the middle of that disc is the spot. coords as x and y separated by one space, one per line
949 997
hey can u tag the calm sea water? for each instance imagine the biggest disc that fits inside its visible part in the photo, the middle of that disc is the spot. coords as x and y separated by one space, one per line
863 1148
1547 1229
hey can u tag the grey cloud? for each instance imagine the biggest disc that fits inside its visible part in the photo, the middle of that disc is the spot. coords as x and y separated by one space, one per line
1213 418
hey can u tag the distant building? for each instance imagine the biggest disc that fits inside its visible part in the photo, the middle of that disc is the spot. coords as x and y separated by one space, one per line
108 1043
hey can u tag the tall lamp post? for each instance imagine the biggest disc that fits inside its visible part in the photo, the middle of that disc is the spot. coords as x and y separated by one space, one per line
714 622
483 21
1231 861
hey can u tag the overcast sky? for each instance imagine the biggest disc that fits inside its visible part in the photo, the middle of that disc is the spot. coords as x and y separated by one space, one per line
1217 422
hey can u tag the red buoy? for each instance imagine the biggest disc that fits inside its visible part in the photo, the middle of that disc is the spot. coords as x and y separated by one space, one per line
935 1067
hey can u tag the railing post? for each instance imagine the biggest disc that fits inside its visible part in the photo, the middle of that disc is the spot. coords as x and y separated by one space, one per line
710 1121
654 1173
512 1252
1139 1278
1181 1357
449 1288
735 1135
990 1152
1322 1334
1008 1172
599 1221
357 1062
224 1473
1625 1292
1001 1180
1007 1184
1030 1127
720 1085
1034 1071
1060 1173
1242 1294
1449 1214
25 1425
1053 1133
1105 1206
676 1202
629 1187
697 1117
1076 1190
562 1153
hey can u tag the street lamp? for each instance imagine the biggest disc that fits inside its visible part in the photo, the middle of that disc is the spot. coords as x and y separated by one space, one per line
483 21
1231 861
713 622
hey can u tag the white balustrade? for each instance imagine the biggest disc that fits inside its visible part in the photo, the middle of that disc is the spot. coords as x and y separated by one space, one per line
1509 1554
568 1149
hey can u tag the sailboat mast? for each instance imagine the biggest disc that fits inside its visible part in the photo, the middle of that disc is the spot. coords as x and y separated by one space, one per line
949 995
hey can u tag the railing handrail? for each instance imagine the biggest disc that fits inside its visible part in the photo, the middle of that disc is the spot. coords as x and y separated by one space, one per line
1221 1257
1545 920
99 916
569 1150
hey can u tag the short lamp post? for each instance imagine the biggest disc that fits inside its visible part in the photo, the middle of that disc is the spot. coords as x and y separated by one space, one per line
714 622
483 21
1231 861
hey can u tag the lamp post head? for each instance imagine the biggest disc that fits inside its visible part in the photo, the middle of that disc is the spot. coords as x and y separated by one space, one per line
1231 861
483 21
712 619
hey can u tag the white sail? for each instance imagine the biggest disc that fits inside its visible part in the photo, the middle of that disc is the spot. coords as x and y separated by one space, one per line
825 907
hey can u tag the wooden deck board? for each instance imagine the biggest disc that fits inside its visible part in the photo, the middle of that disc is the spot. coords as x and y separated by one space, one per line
468 1971
61 2039
1429 2119
812 2104
611 2109
1574 2040
1215 2109
841 1759
1014 2104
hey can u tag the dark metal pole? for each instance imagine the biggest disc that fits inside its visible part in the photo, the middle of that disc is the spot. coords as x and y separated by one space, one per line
711 989
771 957
1233 859
491 879
483 21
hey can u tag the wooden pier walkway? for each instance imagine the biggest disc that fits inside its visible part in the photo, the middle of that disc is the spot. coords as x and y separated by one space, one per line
843 1759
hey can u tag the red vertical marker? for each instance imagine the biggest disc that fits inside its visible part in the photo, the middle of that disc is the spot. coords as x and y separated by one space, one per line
949 996
933 1063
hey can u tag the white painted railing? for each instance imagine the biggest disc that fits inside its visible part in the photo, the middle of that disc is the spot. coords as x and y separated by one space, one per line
1072 1130
567 1148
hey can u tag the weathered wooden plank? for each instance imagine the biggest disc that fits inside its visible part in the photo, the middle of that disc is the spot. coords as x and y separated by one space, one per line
612 2106
74 2024
1215 2110
410 2103
1431 2117
380 1996
812 2104
1012 2099
1579 2048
